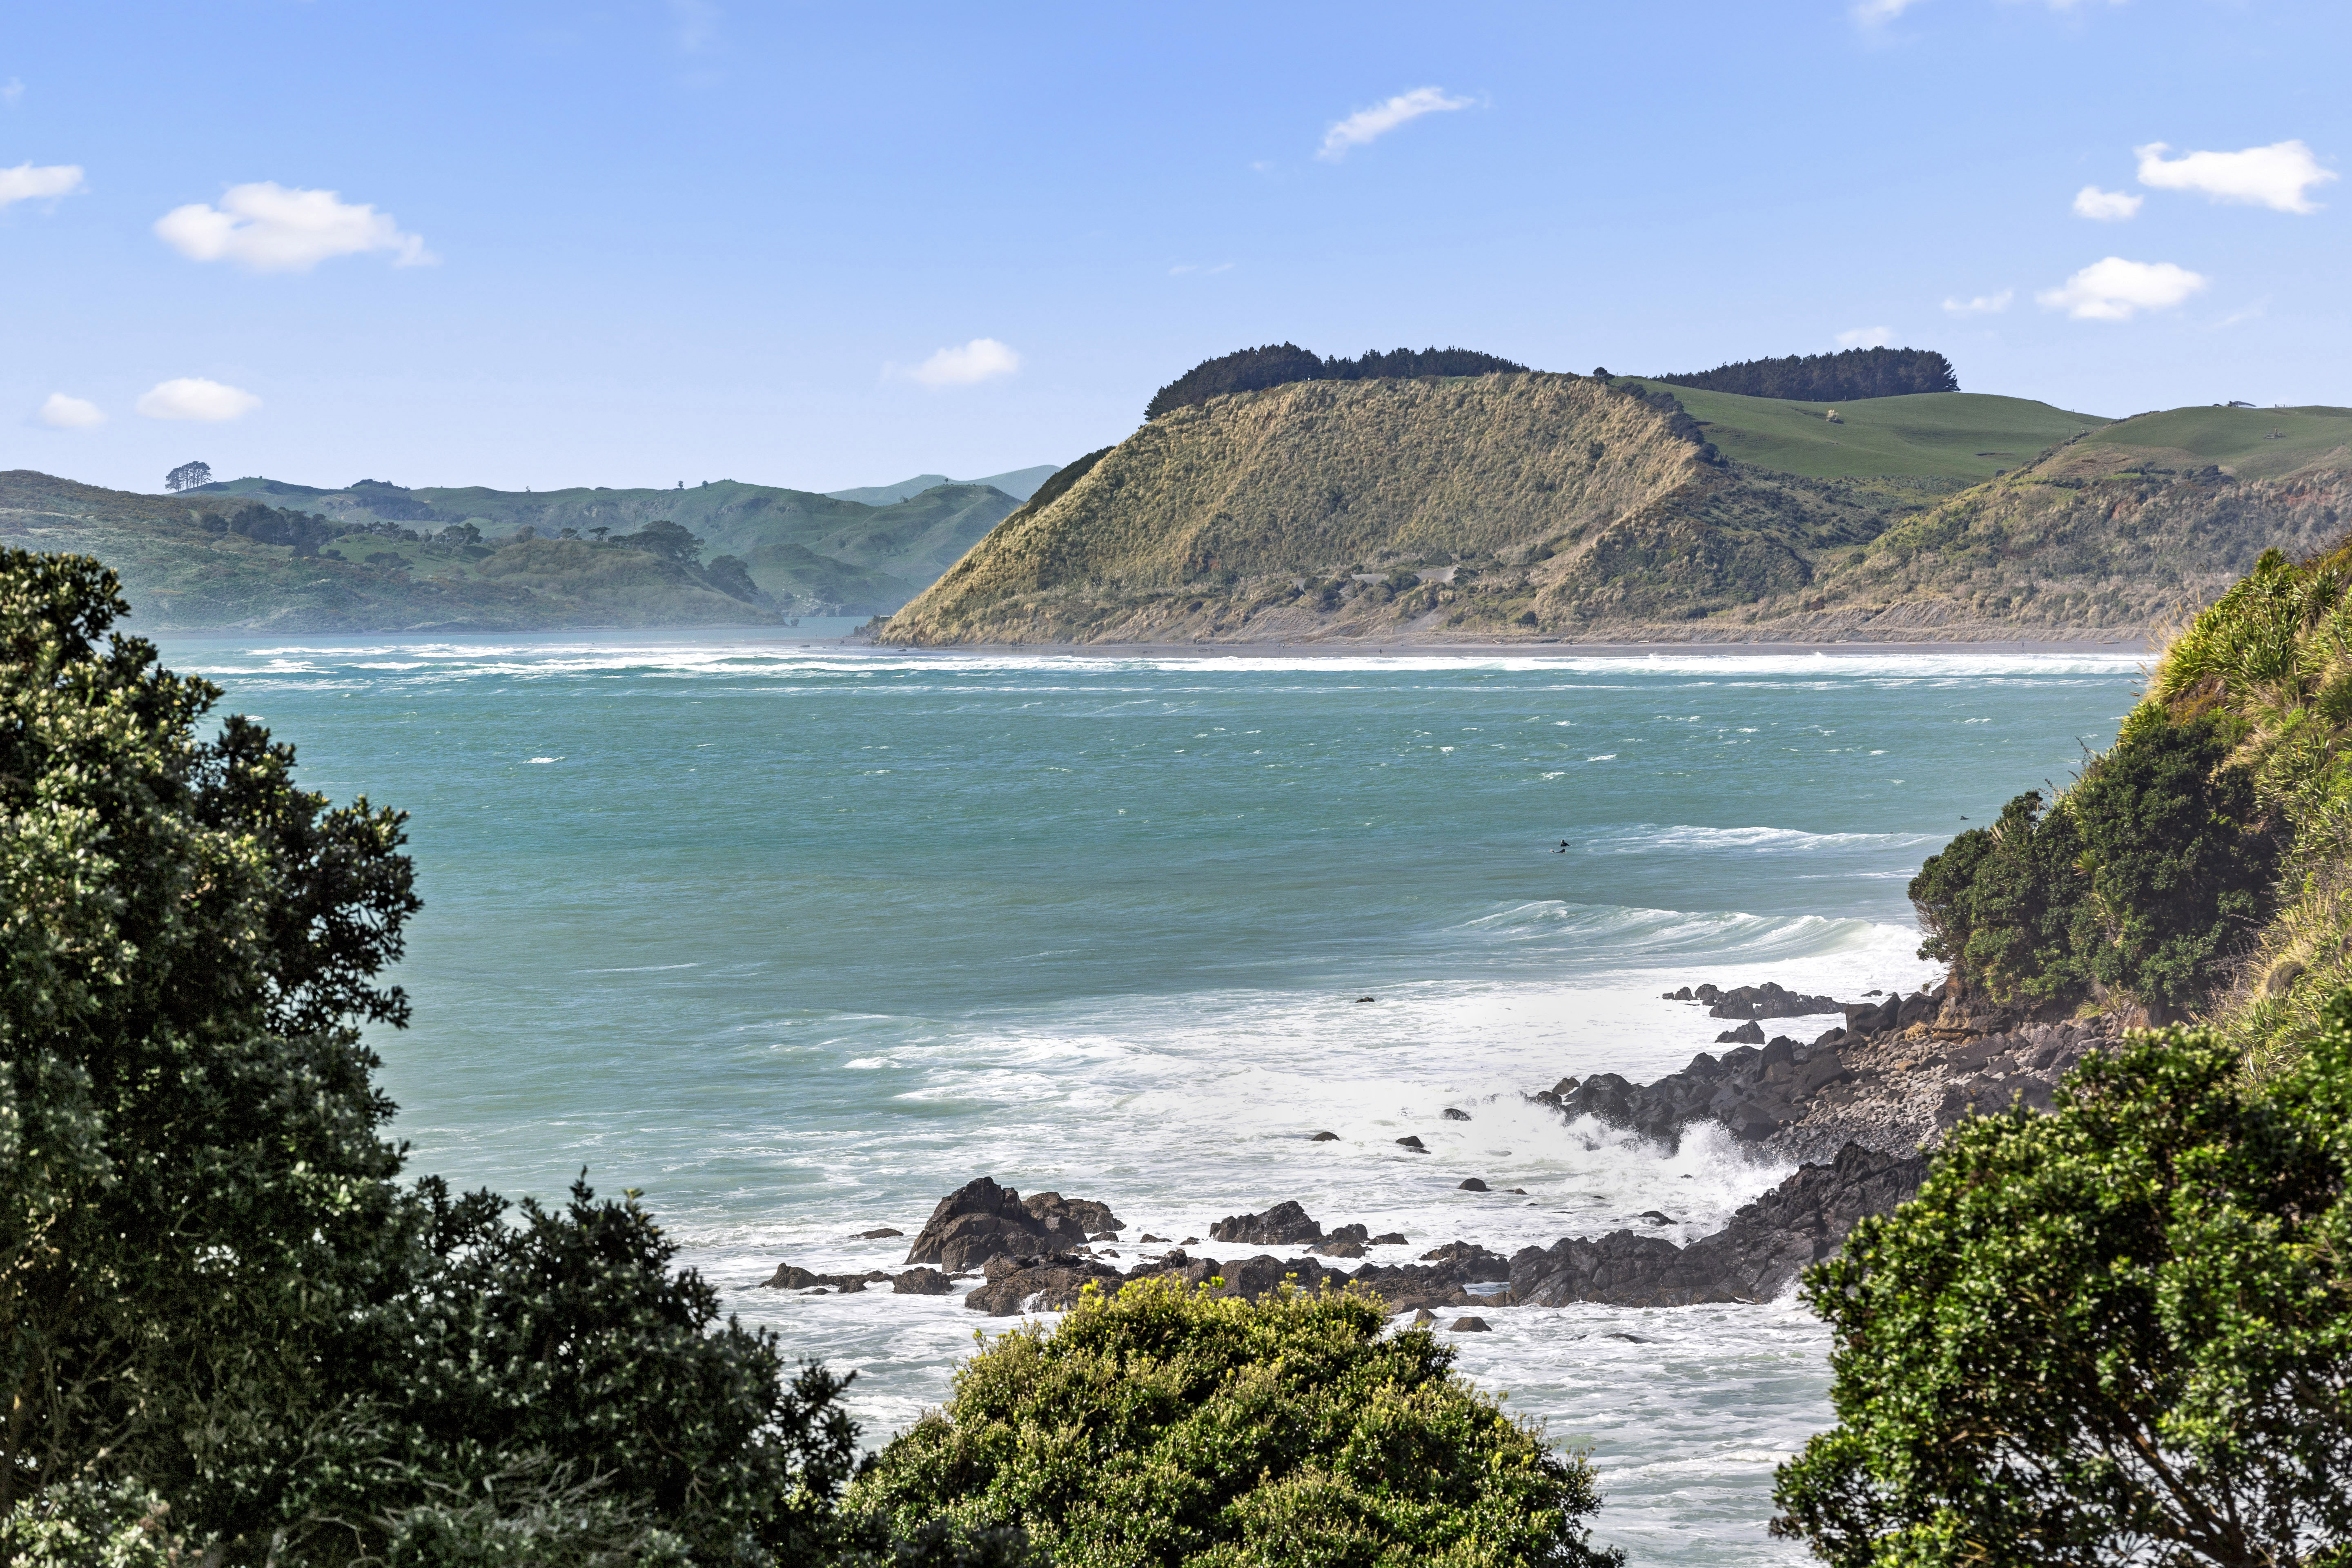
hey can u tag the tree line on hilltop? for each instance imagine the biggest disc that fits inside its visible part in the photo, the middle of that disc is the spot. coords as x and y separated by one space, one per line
1278 364
1847 377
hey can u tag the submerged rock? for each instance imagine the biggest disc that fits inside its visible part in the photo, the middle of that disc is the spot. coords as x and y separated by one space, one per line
1470 1326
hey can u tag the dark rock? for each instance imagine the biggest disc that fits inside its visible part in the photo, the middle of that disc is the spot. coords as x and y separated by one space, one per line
1410 1142
1471 1185
1106 1236
1423 1318
1039 1285
1754 1093
1390 1238
982 1220
1284 1225
1769 1000
1476 1262
1748 1034
879 1234
1450 1114
1470 1326
1337 1248
1756 1257
1351 1233
1192 1241
1148 1237
1630 1339
788 1278
920 1282
1324 1138
1655 1217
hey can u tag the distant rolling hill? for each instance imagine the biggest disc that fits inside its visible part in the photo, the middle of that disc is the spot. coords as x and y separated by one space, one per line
814 554
1525 507
263 554
1019 484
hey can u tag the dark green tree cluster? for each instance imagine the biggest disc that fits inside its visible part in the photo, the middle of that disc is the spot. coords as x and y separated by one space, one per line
1168 1427
2140 880
2120 1333
1847 377
1278 364
224 1322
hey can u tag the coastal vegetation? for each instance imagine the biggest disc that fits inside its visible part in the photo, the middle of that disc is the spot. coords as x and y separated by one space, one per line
1164 1425
1847 377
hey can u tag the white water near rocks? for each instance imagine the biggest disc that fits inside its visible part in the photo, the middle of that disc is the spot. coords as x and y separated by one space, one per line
797 937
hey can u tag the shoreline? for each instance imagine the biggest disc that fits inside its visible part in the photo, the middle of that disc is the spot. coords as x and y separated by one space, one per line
2132 644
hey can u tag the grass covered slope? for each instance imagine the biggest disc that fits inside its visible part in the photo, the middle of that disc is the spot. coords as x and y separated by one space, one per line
1962 436
2247 443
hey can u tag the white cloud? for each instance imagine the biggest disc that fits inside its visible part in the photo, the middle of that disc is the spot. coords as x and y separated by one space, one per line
1866 338
2279 175
28 181
13 93
1368 124
269 228
63 413
983 359
1982 305
194 397
1870 13
1182 267
697 22
2106 206
2115 289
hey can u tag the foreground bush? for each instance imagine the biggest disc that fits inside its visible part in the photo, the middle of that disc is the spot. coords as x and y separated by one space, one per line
226 1329
2119 1333
1165 1426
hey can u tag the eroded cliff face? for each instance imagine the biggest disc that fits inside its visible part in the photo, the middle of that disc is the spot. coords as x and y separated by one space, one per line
1528 508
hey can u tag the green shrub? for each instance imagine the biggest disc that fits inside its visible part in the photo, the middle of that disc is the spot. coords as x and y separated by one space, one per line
2141 879
2120 1332
1165 1426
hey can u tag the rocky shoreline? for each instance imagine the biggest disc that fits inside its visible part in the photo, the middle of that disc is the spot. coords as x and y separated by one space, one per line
1859 1108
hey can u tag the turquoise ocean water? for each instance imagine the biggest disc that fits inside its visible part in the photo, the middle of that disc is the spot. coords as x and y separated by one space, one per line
797 937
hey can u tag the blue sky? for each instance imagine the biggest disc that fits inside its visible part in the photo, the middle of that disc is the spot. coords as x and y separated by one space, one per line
636 242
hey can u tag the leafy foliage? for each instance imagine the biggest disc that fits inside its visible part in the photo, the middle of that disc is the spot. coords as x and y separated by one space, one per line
213 1292
188 476
1850 376
2118 1334
2140 879
1278 364
1162 1425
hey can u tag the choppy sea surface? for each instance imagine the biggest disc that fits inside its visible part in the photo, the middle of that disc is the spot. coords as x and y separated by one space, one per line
797 937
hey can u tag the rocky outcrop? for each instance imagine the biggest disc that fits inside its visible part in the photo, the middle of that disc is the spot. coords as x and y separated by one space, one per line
1901 1073
1047 1284
1285 1225
1769 1000
788 1277
1757 1255
982 1220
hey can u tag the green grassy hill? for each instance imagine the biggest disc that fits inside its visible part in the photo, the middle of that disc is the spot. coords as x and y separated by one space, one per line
2248 442
1960 436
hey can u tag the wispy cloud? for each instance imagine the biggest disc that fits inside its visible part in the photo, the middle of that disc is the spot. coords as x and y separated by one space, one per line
1875 12
1368 125
12 93
1982 304
269 228
1866 336
2106 206
1182 267
2279 175
983 359
30 181
2116 289
697 23
62 413
194 397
